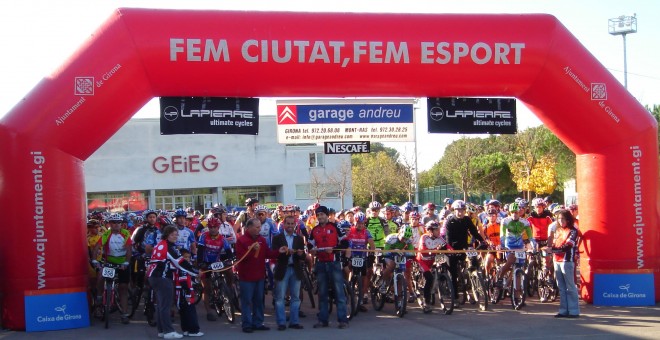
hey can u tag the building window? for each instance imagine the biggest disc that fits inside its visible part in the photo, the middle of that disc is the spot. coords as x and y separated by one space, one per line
235 197
117 201
315 160
308 191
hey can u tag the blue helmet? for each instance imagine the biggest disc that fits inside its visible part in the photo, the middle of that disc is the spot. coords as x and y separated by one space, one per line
180 213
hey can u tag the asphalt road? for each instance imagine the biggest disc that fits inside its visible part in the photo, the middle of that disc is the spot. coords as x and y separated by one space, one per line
500 321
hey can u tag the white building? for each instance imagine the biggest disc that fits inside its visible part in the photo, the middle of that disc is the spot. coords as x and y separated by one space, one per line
139 168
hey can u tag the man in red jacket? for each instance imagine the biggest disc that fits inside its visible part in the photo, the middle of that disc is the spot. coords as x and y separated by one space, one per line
251 275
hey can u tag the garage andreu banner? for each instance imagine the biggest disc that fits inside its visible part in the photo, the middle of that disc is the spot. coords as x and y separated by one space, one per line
136 55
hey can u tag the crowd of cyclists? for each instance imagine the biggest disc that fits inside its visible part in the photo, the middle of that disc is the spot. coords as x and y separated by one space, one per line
380 234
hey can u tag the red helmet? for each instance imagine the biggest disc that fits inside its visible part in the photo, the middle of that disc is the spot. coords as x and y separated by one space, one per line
213 222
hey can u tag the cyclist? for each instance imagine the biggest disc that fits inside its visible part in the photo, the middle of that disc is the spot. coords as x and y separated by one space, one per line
186 236
144 239
402 240
539 220
390 217
431 240
417 228
93 237
268 231
492 236
359 237
226 230
116 245
213 247
244 216
407 208
429 213
446 210
456 230
511 237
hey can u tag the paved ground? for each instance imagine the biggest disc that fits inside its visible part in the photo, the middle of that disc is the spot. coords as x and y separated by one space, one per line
499 322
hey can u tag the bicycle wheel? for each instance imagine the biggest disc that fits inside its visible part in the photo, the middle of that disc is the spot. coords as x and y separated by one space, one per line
445 292
351 303
543 287
479 290
107 303
236 291
356 286
149 307
517 290
493 290
532 275
135 301
463 285
198 290
227 305
377 298
401 296
307 286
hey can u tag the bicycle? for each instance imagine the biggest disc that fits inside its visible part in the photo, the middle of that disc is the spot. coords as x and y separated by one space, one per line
222 298
518 282
397 287
355 283
350 299
547 285
478 285
143 288
110 299
443 288
307 285
533 273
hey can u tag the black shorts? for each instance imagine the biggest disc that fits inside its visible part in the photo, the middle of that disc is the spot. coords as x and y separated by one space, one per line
123 275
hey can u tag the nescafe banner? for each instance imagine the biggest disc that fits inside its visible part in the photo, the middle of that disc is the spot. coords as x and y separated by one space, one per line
209 115
472 115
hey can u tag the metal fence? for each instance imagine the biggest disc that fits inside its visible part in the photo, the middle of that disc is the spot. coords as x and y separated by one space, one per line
438 193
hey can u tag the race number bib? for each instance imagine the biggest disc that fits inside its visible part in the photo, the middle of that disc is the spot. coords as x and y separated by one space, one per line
108 272
440 259
471 253
357 262
521 255
217 265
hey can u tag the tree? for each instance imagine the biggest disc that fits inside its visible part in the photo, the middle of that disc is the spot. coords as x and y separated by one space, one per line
341 179
543 179
457 164
494 173
375 178
318 187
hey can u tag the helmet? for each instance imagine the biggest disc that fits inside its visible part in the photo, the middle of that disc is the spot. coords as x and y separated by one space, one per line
573 207
315 206
164 220
429 206
332 211
405 232
197 213
538 201
548 199
391 208
344 224
93 222
374 205
218 211
408 206
131 216
296 208
251 201
557 209
190 216
432 224
190 210
261 207
458 204
471 208
448 200
180 213
360 217
139 219
115 218
523 203
149 211
388 204
288 208
213 222
358 208
514 207
414 214
304 217
494 202
492 211
552 207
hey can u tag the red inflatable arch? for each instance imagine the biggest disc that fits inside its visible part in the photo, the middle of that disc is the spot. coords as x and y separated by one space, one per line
139 54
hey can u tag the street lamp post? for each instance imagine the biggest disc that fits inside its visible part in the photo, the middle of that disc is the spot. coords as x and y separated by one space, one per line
623 25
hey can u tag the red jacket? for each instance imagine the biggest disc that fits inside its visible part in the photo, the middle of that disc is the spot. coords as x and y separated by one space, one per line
253 268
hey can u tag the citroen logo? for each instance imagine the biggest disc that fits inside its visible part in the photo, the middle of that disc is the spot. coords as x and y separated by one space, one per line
286 116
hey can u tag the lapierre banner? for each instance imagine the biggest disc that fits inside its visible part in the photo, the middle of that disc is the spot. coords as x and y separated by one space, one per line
313 121
209 115
472 115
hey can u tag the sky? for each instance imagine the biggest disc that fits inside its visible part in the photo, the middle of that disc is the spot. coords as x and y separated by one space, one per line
38 36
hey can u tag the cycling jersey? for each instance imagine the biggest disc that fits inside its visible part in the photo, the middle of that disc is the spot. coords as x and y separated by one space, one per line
227 231
268 230
143 236
213 249
166 259
186 238
511 232
115 245
432 217
456 231
428 242
327 236
92 240
392 242
376 227
539 224
418 231
358 239
565 241
492 232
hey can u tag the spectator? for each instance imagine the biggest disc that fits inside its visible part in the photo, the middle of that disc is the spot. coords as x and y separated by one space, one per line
288 273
